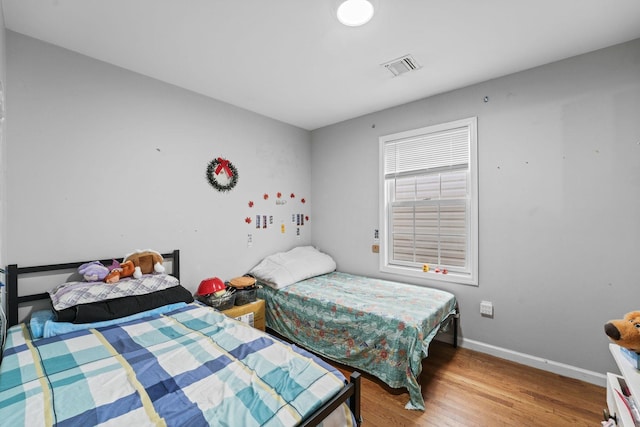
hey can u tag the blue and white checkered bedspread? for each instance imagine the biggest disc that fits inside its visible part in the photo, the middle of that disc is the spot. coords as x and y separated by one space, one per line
190 367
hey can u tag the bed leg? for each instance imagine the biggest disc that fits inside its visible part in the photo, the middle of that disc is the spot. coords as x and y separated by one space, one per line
455 329
355 378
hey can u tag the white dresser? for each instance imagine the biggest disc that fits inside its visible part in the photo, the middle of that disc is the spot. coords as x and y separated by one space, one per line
616 405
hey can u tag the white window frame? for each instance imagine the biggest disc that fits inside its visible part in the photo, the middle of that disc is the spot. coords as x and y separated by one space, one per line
470 274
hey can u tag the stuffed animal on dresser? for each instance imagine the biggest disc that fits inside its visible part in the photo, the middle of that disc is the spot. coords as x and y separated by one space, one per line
625 332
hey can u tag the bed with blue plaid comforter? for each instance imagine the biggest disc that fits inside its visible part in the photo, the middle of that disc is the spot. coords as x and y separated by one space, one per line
189 367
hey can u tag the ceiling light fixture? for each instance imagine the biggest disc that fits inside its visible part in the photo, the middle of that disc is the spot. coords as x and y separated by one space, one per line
354 13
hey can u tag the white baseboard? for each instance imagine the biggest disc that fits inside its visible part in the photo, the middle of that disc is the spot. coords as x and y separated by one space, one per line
529 360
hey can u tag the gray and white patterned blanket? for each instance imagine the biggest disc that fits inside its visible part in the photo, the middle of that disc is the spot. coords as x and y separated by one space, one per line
73 293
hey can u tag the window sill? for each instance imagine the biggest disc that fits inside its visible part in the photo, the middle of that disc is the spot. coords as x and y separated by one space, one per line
431 276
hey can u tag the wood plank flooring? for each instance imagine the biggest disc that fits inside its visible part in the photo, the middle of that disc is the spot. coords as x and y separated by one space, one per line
462 387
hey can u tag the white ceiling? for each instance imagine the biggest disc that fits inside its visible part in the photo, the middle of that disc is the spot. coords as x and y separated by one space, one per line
291 60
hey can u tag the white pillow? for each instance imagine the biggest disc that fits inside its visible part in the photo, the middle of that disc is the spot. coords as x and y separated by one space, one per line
285 268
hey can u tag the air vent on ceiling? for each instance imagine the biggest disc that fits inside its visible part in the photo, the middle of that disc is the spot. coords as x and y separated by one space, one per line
402 65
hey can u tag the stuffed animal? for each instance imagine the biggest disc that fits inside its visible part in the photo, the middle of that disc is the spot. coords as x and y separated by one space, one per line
625 332
93 271
119 271
114 265
145 262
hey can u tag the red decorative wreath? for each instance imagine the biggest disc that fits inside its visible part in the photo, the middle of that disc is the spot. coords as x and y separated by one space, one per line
221 174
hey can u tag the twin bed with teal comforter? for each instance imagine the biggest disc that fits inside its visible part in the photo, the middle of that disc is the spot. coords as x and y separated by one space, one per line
376 326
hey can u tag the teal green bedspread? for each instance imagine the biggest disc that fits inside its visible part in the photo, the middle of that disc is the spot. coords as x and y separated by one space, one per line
377 326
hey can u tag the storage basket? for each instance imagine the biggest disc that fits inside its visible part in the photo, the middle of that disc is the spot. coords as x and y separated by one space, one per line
223 302
245 289
245 296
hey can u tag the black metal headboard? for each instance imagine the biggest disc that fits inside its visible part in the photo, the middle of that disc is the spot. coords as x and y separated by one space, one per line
13 271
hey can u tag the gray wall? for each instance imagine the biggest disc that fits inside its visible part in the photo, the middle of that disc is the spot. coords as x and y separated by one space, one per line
559 178
102 161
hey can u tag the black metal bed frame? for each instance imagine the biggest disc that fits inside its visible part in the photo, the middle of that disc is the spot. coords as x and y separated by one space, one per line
349 393
13 271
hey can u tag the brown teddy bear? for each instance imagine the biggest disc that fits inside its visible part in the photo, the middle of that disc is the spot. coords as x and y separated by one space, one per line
145 262
625 332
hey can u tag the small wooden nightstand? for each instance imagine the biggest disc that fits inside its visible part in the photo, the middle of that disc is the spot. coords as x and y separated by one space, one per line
252 313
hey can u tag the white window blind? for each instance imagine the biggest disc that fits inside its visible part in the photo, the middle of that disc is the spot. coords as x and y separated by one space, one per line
428 192
430 151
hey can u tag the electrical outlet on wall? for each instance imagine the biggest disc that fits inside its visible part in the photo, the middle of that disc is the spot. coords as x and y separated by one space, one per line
486 308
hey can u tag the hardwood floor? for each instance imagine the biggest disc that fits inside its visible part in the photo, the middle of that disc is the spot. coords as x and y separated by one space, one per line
462 387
